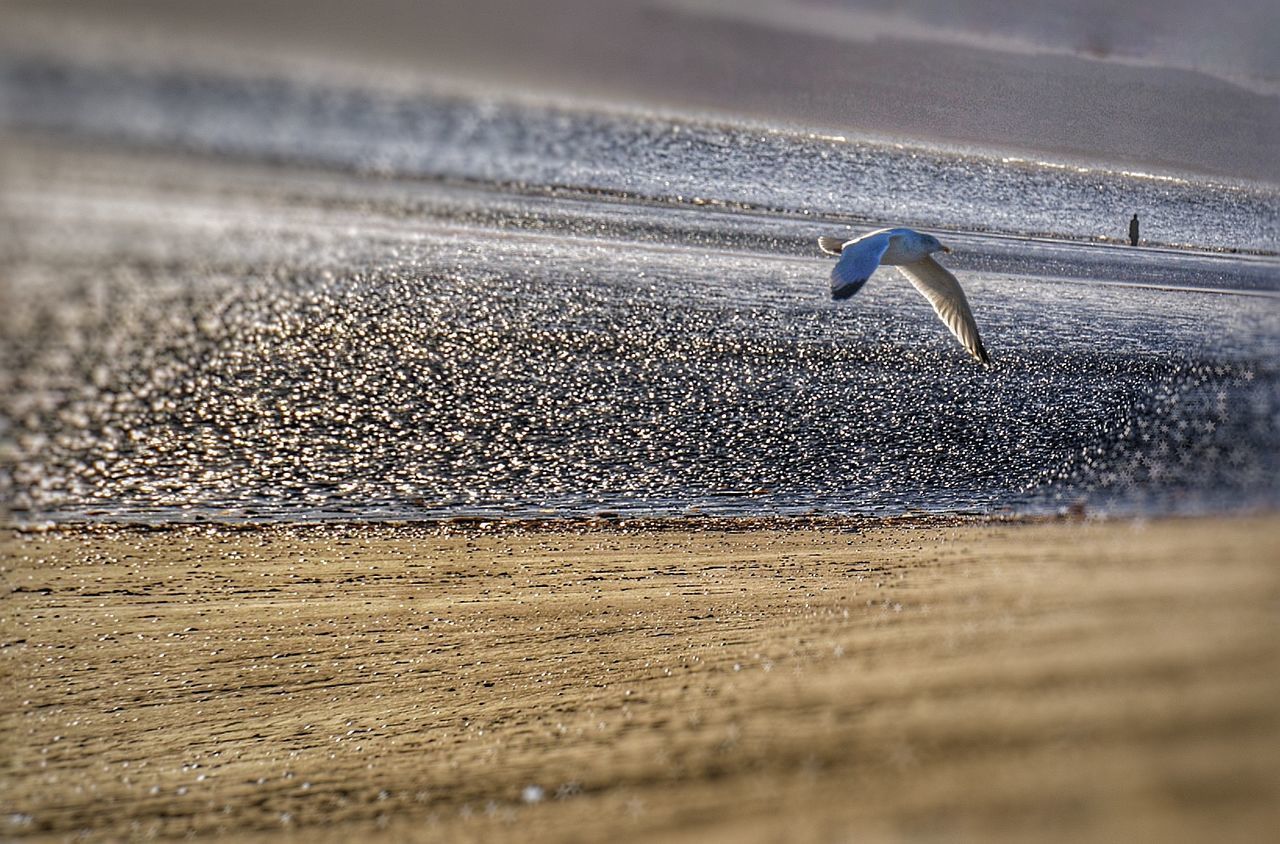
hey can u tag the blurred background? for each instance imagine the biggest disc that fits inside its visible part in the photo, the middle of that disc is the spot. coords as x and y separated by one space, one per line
1176 84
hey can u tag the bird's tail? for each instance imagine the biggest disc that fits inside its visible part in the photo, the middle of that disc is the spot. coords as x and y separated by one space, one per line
831 245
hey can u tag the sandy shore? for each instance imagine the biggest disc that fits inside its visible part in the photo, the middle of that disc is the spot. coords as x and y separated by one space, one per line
917 681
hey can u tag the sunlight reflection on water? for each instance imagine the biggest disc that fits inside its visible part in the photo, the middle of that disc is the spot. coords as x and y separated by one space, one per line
386 373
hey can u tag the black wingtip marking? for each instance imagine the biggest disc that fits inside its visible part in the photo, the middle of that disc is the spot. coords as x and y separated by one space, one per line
846 290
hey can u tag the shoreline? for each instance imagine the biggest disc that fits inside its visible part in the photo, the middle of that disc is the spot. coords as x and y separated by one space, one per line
980 680
606 522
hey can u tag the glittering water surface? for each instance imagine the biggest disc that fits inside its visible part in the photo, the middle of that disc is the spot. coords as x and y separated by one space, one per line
278 298
188 339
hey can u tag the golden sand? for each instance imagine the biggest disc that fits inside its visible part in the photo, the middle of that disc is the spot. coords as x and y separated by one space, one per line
1100 680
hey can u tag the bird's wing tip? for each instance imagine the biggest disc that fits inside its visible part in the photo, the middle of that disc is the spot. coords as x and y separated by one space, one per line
845 289
831 245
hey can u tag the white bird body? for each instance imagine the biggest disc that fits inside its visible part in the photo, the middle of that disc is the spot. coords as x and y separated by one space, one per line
912 253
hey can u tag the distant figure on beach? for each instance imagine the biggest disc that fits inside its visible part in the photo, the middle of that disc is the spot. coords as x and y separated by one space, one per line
1133 231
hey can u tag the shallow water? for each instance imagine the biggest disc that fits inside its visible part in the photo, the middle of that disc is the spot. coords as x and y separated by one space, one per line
187 339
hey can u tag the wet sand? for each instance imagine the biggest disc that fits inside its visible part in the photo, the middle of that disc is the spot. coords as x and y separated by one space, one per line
841 681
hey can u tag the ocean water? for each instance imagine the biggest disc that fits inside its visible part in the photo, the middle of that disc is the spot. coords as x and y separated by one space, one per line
237 298
531 146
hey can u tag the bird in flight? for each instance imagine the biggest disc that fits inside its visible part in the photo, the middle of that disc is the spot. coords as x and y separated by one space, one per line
911 252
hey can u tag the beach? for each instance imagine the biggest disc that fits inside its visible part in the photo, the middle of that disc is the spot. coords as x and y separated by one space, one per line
434 422
837 679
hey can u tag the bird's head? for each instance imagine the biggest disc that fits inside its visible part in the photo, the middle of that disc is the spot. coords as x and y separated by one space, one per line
932 244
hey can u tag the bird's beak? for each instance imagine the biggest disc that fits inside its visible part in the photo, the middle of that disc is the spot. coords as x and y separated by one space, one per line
947 249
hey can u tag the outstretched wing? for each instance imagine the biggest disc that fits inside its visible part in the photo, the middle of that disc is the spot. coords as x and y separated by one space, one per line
858 260
943 292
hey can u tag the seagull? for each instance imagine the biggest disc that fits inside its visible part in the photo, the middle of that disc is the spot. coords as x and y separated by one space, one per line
909 251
